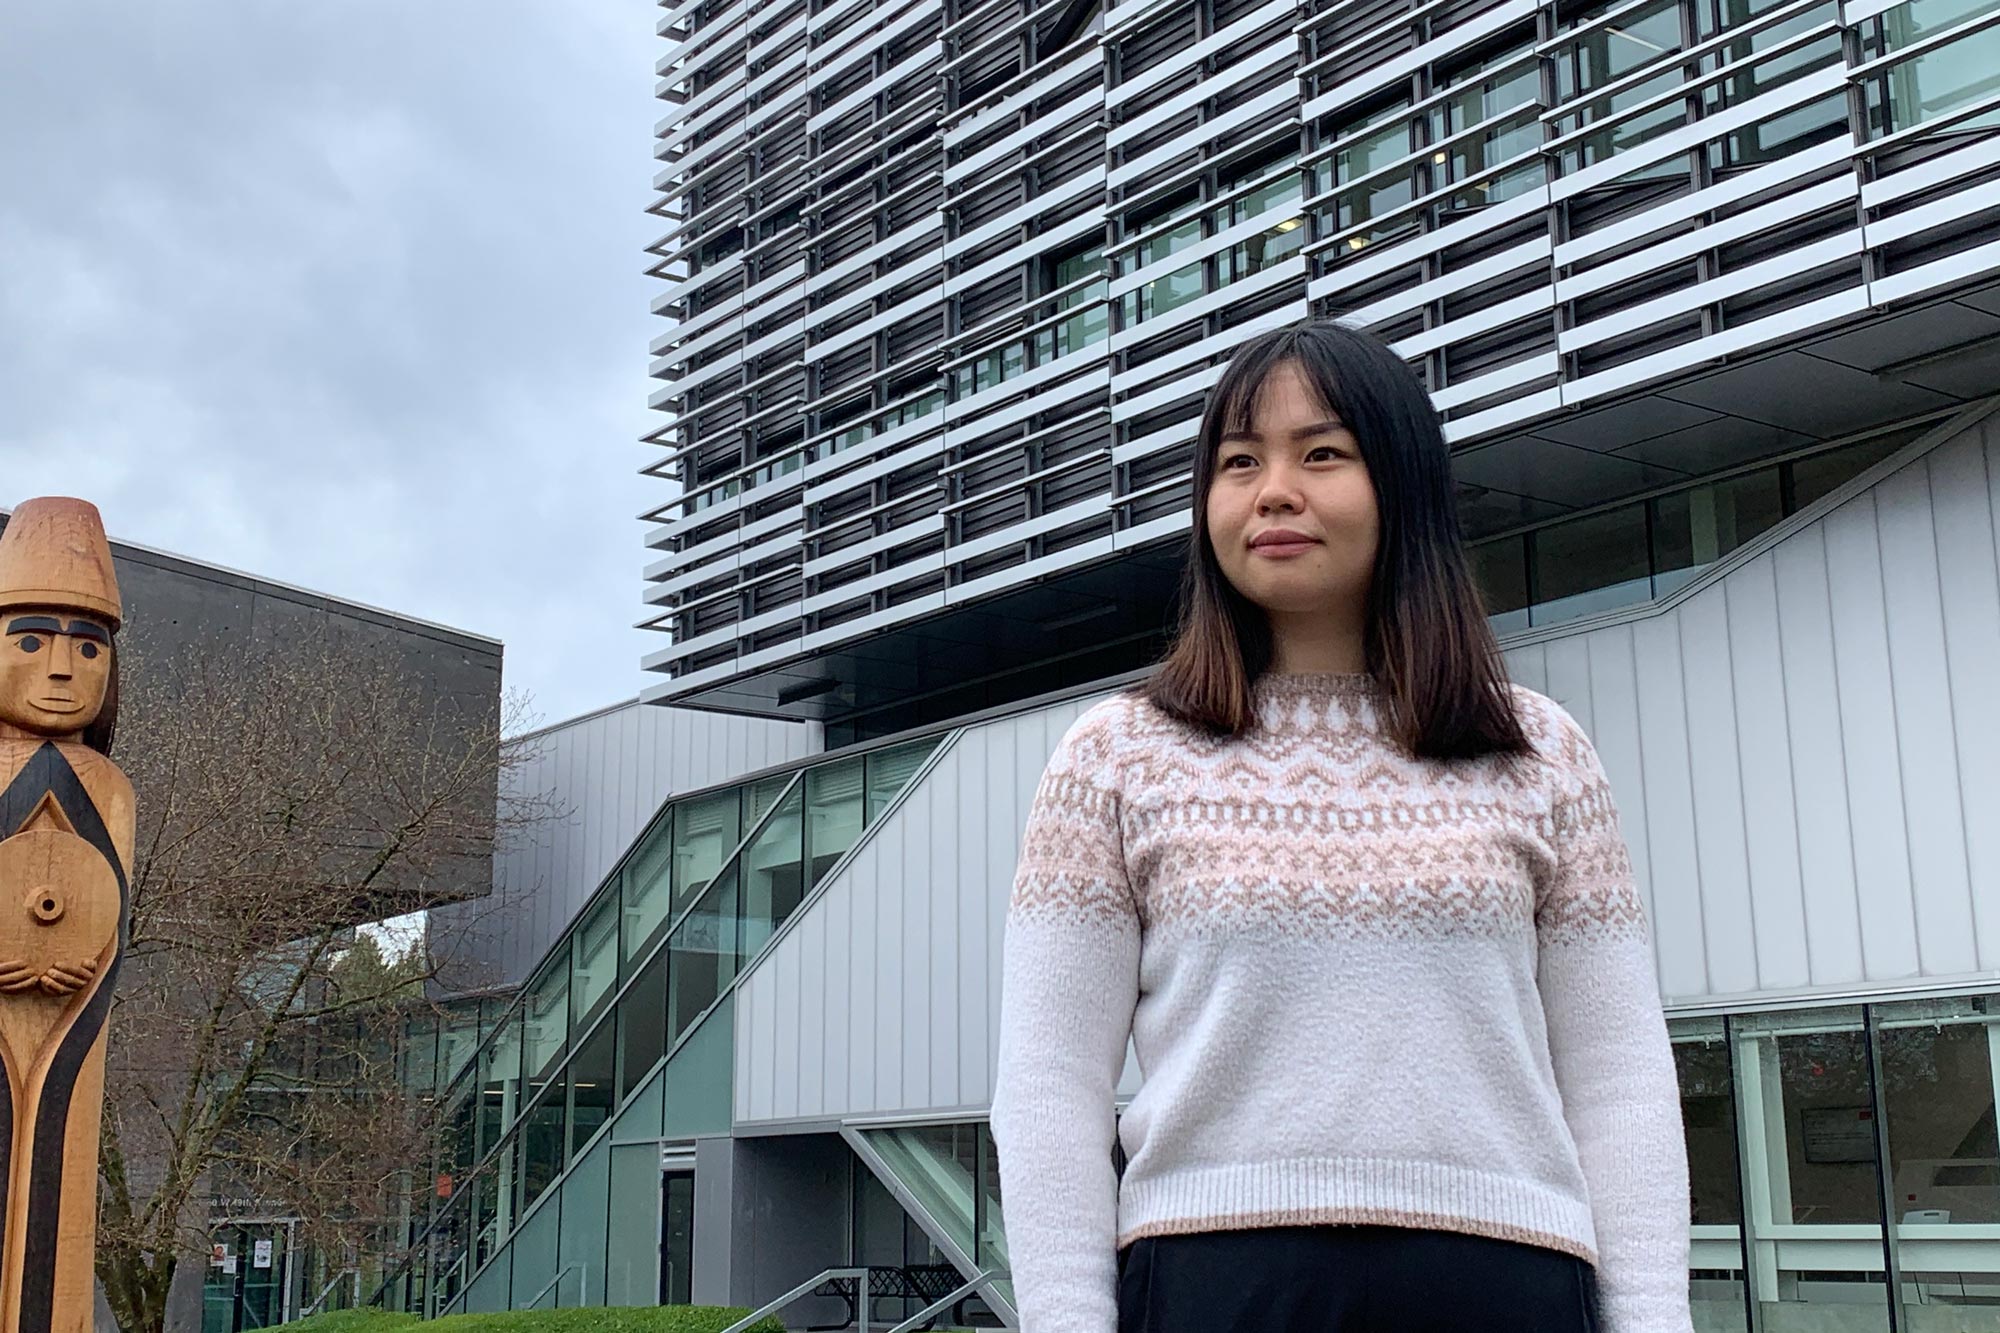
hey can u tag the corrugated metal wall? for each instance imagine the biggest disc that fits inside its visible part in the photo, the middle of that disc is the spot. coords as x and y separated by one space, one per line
1807 751
1805 747
589 785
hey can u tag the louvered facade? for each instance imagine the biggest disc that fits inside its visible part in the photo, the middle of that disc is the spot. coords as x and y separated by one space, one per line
945 283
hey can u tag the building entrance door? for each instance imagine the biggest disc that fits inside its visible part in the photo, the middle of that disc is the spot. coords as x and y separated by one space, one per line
245 1286
677 1232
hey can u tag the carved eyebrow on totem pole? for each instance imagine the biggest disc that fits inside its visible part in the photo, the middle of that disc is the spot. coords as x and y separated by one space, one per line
66 827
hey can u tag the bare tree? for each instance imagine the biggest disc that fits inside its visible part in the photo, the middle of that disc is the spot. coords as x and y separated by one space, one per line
284 796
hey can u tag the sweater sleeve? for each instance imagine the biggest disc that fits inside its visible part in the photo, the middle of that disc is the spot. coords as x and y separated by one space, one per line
1069 986
1614 1065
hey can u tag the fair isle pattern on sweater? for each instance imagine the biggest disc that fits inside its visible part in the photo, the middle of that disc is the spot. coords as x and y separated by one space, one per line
1363 987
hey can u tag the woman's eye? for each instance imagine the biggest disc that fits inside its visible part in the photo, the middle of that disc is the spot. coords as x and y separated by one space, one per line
1234 459
89 650
30 644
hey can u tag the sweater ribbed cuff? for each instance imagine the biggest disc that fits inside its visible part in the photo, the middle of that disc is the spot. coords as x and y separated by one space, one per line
1354 1190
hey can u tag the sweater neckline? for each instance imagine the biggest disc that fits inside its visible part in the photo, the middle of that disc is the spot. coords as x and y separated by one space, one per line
1317 684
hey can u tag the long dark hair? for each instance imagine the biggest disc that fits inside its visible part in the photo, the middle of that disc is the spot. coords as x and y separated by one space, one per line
1428 641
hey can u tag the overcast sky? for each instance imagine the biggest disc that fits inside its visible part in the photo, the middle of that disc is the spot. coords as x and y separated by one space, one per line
348 294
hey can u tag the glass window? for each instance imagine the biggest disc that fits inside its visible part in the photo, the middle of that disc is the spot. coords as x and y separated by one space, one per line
702 955
1611 51
1824 473
772 874
646 891
458 1041
642 1026
493 1211
833 814
1809 1146
596 959
593 1078
890 770
1486 93
1944 1157
547 1028
1694 528
1943 80
541 1147
1715 1192
1590 564
420 1047
1500 568
499 1085
705 831
1389 142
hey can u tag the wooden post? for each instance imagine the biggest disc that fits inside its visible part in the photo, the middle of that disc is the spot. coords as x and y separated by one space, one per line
66 828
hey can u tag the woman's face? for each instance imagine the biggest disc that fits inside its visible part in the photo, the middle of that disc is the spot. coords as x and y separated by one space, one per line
1291 511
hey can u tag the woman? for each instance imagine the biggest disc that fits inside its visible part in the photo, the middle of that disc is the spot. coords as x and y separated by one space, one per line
1364 911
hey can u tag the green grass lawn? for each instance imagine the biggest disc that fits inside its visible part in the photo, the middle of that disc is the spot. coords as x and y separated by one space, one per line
657 1319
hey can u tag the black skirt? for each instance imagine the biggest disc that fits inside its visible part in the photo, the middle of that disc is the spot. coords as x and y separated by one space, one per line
1351 1279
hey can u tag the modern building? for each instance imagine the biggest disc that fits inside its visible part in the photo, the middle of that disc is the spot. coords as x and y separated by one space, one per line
1708 294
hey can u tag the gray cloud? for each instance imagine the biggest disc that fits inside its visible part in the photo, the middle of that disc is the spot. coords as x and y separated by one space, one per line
348 295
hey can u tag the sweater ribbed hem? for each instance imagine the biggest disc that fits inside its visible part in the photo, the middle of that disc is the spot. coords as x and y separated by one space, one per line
1355 1191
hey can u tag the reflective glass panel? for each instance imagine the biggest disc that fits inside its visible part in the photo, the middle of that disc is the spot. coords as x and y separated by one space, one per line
705 831
890 770
1715 1193
1938 1063
458 1041
596 959
546 1032
1590 564
541 1147
646 892
1943 80
702 955
1694 528
771 874
834 807
1815 1200
593 1078
642 1026
499 1085
1500 568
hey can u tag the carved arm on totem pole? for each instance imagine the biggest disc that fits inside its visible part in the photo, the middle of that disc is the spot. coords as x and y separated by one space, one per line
66 829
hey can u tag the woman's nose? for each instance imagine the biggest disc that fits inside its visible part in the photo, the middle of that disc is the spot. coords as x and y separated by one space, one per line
62 657
1280 491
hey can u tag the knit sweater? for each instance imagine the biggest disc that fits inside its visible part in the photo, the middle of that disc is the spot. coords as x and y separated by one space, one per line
1362 988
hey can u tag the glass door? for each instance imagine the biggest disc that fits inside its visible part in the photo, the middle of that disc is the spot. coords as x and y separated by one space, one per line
677 1231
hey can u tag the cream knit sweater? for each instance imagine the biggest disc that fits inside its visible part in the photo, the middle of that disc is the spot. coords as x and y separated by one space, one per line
1362 988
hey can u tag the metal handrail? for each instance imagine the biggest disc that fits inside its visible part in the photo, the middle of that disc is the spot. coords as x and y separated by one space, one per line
805 1288
944 1302
327 1290
554 1282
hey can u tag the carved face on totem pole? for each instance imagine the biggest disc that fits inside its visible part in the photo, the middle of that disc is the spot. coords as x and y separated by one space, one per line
58 610
55 668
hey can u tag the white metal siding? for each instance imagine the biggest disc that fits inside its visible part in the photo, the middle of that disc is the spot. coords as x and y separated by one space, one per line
593 783
884 995
1805 749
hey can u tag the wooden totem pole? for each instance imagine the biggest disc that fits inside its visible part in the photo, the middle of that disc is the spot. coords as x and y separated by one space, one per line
66 825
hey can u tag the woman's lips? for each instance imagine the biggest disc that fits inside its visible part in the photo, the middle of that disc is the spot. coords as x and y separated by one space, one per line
1282 548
